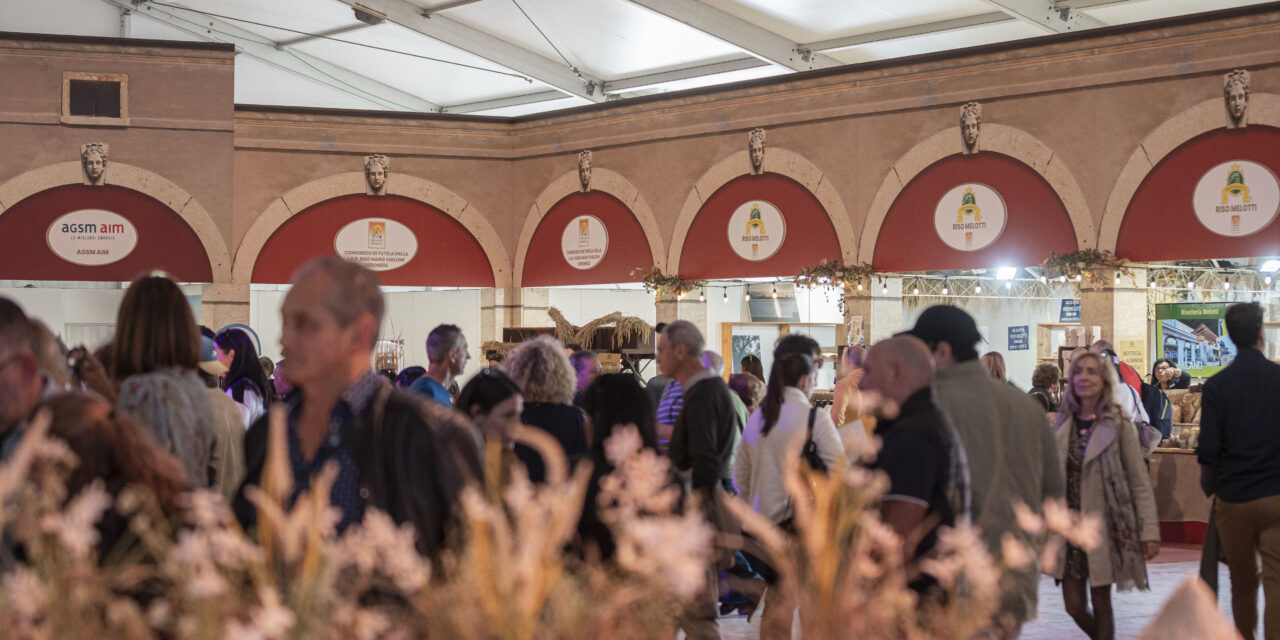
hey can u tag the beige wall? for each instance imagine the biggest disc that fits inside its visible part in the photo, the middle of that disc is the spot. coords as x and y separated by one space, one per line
1089 99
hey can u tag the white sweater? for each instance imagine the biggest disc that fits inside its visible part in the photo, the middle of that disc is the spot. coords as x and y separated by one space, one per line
760 463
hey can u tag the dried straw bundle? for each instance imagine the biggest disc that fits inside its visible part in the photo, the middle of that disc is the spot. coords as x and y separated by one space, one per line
565 331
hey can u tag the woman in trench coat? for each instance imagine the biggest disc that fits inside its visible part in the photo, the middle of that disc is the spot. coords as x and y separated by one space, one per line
1106 476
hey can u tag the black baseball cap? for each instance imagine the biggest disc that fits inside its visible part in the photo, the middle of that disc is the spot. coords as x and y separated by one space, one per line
945 323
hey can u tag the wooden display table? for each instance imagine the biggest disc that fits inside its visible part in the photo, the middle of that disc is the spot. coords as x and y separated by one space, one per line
1181 506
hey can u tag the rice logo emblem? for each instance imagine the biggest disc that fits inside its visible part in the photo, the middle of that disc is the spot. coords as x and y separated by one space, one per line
378 235
584 232
972 227
1245 205
762 230
92 237
1235 185
969 207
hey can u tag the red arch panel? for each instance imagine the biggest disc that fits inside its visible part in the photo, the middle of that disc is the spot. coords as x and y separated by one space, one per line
165 241
1037 222
544 263
1160 223
448 255
810 235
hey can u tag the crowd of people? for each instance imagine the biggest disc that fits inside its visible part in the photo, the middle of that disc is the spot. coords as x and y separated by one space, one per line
172 406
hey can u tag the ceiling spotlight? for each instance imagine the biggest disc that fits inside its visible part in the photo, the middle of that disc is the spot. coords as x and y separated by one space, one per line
1267 280
1006 273
1008 285
1270 266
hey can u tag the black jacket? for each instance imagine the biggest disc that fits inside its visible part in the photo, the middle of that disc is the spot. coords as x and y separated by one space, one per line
414 458
1240 430
703 437
565 422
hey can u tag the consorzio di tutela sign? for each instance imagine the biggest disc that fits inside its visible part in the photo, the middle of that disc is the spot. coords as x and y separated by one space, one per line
970 217
92 237
584 242
756 230
378 244
1237 198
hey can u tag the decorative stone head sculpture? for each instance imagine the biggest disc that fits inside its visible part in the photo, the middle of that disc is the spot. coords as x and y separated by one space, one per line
93 160
755 145
376 168
970 123
584 169
1235 90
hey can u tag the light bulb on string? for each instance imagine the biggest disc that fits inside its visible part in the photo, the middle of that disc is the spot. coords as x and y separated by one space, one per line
1008 286
1226 285
945 288
915 290
726 294
884 288
746 295
977 289
1117 279
1191 284
1268 280
775 291
702 296
859 286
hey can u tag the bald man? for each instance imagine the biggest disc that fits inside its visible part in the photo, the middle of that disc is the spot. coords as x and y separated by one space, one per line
921 452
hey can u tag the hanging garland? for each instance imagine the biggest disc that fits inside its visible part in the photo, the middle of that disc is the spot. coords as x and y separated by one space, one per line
835 274
1090 263
674 285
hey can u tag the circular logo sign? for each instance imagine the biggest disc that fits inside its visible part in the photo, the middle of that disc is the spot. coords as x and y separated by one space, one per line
584 242
92 237
1237 198
379 244
756 230
970 217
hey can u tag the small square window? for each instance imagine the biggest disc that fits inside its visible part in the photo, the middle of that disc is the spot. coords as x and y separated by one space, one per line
99 99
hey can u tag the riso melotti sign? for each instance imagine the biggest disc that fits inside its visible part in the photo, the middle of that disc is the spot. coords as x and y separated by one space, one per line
1237 198
92 237
970 217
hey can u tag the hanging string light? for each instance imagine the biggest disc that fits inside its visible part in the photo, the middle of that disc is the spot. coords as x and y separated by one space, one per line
977 289
726 294
946 288
775 290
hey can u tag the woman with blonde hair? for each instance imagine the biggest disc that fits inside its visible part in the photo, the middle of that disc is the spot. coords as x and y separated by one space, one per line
541 368
1106 477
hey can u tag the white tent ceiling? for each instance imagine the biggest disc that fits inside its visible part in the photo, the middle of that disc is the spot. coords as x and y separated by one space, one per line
517 57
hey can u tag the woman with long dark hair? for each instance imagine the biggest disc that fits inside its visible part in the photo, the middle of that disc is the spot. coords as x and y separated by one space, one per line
1106 477
246 381
785 414
613 400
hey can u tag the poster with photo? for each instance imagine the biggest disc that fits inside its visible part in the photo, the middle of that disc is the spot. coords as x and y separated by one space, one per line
743 346
1194 337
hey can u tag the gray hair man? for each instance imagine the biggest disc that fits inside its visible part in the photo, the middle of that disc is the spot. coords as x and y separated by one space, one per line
446 358
1012 456
21 384
586 366
394 451
702 445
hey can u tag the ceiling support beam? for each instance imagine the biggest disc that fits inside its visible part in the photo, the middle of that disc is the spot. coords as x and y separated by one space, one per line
499 103
682 73
554 73
310 67
759 42
328 33
927 28
1049 15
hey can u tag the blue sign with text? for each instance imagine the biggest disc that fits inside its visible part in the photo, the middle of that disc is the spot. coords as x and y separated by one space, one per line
1019 339
1070 311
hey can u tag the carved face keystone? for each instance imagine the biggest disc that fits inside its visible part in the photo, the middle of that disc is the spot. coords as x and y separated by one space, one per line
969 128
94 166
1237 101
377 176
757 152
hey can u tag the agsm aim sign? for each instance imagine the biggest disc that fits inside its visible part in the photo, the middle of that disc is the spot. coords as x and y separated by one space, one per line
92 237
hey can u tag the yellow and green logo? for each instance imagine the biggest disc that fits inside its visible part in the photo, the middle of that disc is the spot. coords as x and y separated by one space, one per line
969 207
1235 185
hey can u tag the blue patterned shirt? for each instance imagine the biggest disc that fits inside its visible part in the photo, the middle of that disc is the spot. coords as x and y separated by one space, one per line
338 446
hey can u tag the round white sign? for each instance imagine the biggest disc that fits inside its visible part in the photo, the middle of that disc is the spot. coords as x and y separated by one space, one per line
1237 198
584 242
970 217
92 237
379 244
756 230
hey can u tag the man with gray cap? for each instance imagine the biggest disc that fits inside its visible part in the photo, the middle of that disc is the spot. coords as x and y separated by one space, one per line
1012 455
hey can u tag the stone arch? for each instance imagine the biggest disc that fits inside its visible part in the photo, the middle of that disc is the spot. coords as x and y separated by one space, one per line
1264 109
610 182
996 138
776 160
353 183
137 179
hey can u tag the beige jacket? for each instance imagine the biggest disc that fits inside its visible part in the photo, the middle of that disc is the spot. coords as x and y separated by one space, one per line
1108 433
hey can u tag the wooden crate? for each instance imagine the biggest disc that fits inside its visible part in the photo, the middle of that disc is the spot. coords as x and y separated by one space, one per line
611 362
